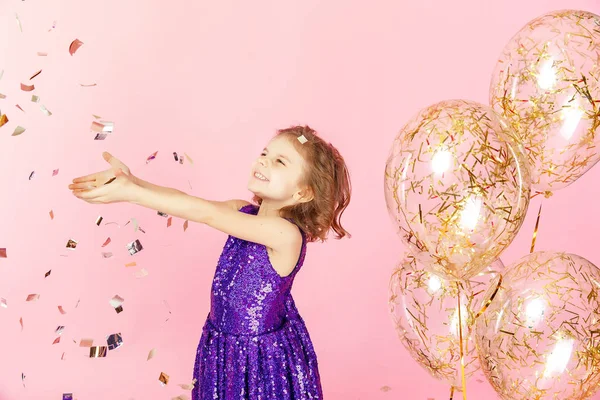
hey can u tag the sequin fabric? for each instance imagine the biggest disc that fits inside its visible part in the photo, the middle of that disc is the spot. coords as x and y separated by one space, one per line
254 344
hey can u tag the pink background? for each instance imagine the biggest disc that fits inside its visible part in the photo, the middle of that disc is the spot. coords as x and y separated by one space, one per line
214 80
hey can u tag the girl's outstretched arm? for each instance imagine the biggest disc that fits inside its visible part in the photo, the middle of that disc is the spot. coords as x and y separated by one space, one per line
273 232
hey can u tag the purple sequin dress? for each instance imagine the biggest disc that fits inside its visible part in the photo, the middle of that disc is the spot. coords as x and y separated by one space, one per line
254 344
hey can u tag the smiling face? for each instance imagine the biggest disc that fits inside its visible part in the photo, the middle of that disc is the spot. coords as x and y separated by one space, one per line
276 175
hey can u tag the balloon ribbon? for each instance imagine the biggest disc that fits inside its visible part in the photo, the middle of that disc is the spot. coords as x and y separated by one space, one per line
462 353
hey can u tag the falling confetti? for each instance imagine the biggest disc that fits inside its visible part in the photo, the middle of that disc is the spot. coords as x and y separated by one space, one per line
189 158
162 214
188 386
141 273
385 389
74 46
19 23
57 340
181 397
36 74
151 354
31 175
134 247
131 264
47 274
55 172
119 309
33 297
19 107
71 244
27 88
61 309
114 341
169 221
88 85
67 396
86 342
2 96
34 98
107 254
21 322
3 302
106 242
3 119
116 301
42 54
23 378
99 220
3 253
163 378
18 131
185 226
45 111
151 157
98 351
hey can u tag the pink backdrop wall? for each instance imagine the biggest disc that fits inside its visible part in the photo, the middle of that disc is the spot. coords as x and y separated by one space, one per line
214 80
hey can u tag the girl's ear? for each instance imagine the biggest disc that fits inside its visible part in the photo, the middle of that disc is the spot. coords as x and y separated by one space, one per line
305 195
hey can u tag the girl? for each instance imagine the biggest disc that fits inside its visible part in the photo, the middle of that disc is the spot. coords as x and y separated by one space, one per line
254 343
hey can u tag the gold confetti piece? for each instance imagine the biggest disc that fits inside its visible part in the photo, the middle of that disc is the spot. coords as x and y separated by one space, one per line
36 74
151 354
535 230
185 226
87 85
27 88
3 253
45 111
71 244
42 54
106 242
98 351
19 107
99 221
96 116
86 342
18 131
385 388
3 302
19 23
189 158
21 322
74 46
57 340
33 297
141 273
131 264
3 119
61 309
51 214
116 301
47 274
169 221
163 378
151 157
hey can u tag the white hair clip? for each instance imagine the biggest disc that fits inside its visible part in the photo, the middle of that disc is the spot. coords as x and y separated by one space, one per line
302 139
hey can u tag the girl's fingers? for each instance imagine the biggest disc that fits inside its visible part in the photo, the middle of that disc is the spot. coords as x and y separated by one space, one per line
82 186
87 178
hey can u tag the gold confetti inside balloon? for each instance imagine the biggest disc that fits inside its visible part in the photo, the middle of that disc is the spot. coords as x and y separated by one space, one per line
546 85
457 191
424 308
540 336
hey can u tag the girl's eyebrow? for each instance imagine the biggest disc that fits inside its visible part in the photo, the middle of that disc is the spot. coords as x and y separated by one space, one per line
280 155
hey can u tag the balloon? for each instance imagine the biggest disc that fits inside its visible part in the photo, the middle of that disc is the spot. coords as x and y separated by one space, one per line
546 85
424 311
540 338
456 190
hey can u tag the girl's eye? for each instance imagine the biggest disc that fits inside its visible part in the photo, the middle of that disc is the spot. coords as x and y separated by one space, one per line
263 154
279 161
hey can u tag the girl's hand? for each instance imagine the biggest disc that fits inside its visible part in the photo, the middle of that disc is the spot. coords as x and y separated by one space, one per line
120 188
100 178
119 177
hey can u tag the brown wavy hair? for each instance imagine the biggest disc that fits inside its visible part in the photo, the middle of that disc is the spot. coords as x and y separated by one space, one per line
328 178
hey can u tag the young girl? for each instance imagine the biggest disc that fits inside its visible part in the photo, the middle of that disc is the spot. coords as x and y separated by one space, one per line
254 343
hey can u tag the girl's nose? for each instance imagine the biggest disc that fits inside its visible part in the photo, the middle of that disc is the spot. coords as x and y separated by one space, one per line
262 161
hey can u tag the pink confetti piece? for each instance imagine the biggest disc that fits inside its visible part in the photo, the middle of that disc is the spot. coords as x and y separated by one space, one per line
74 46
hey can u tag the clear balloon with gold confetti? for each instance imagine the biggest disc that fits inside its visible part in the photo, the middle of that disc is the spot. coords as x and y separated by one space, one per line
424 310
456 187
546 85
540 336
